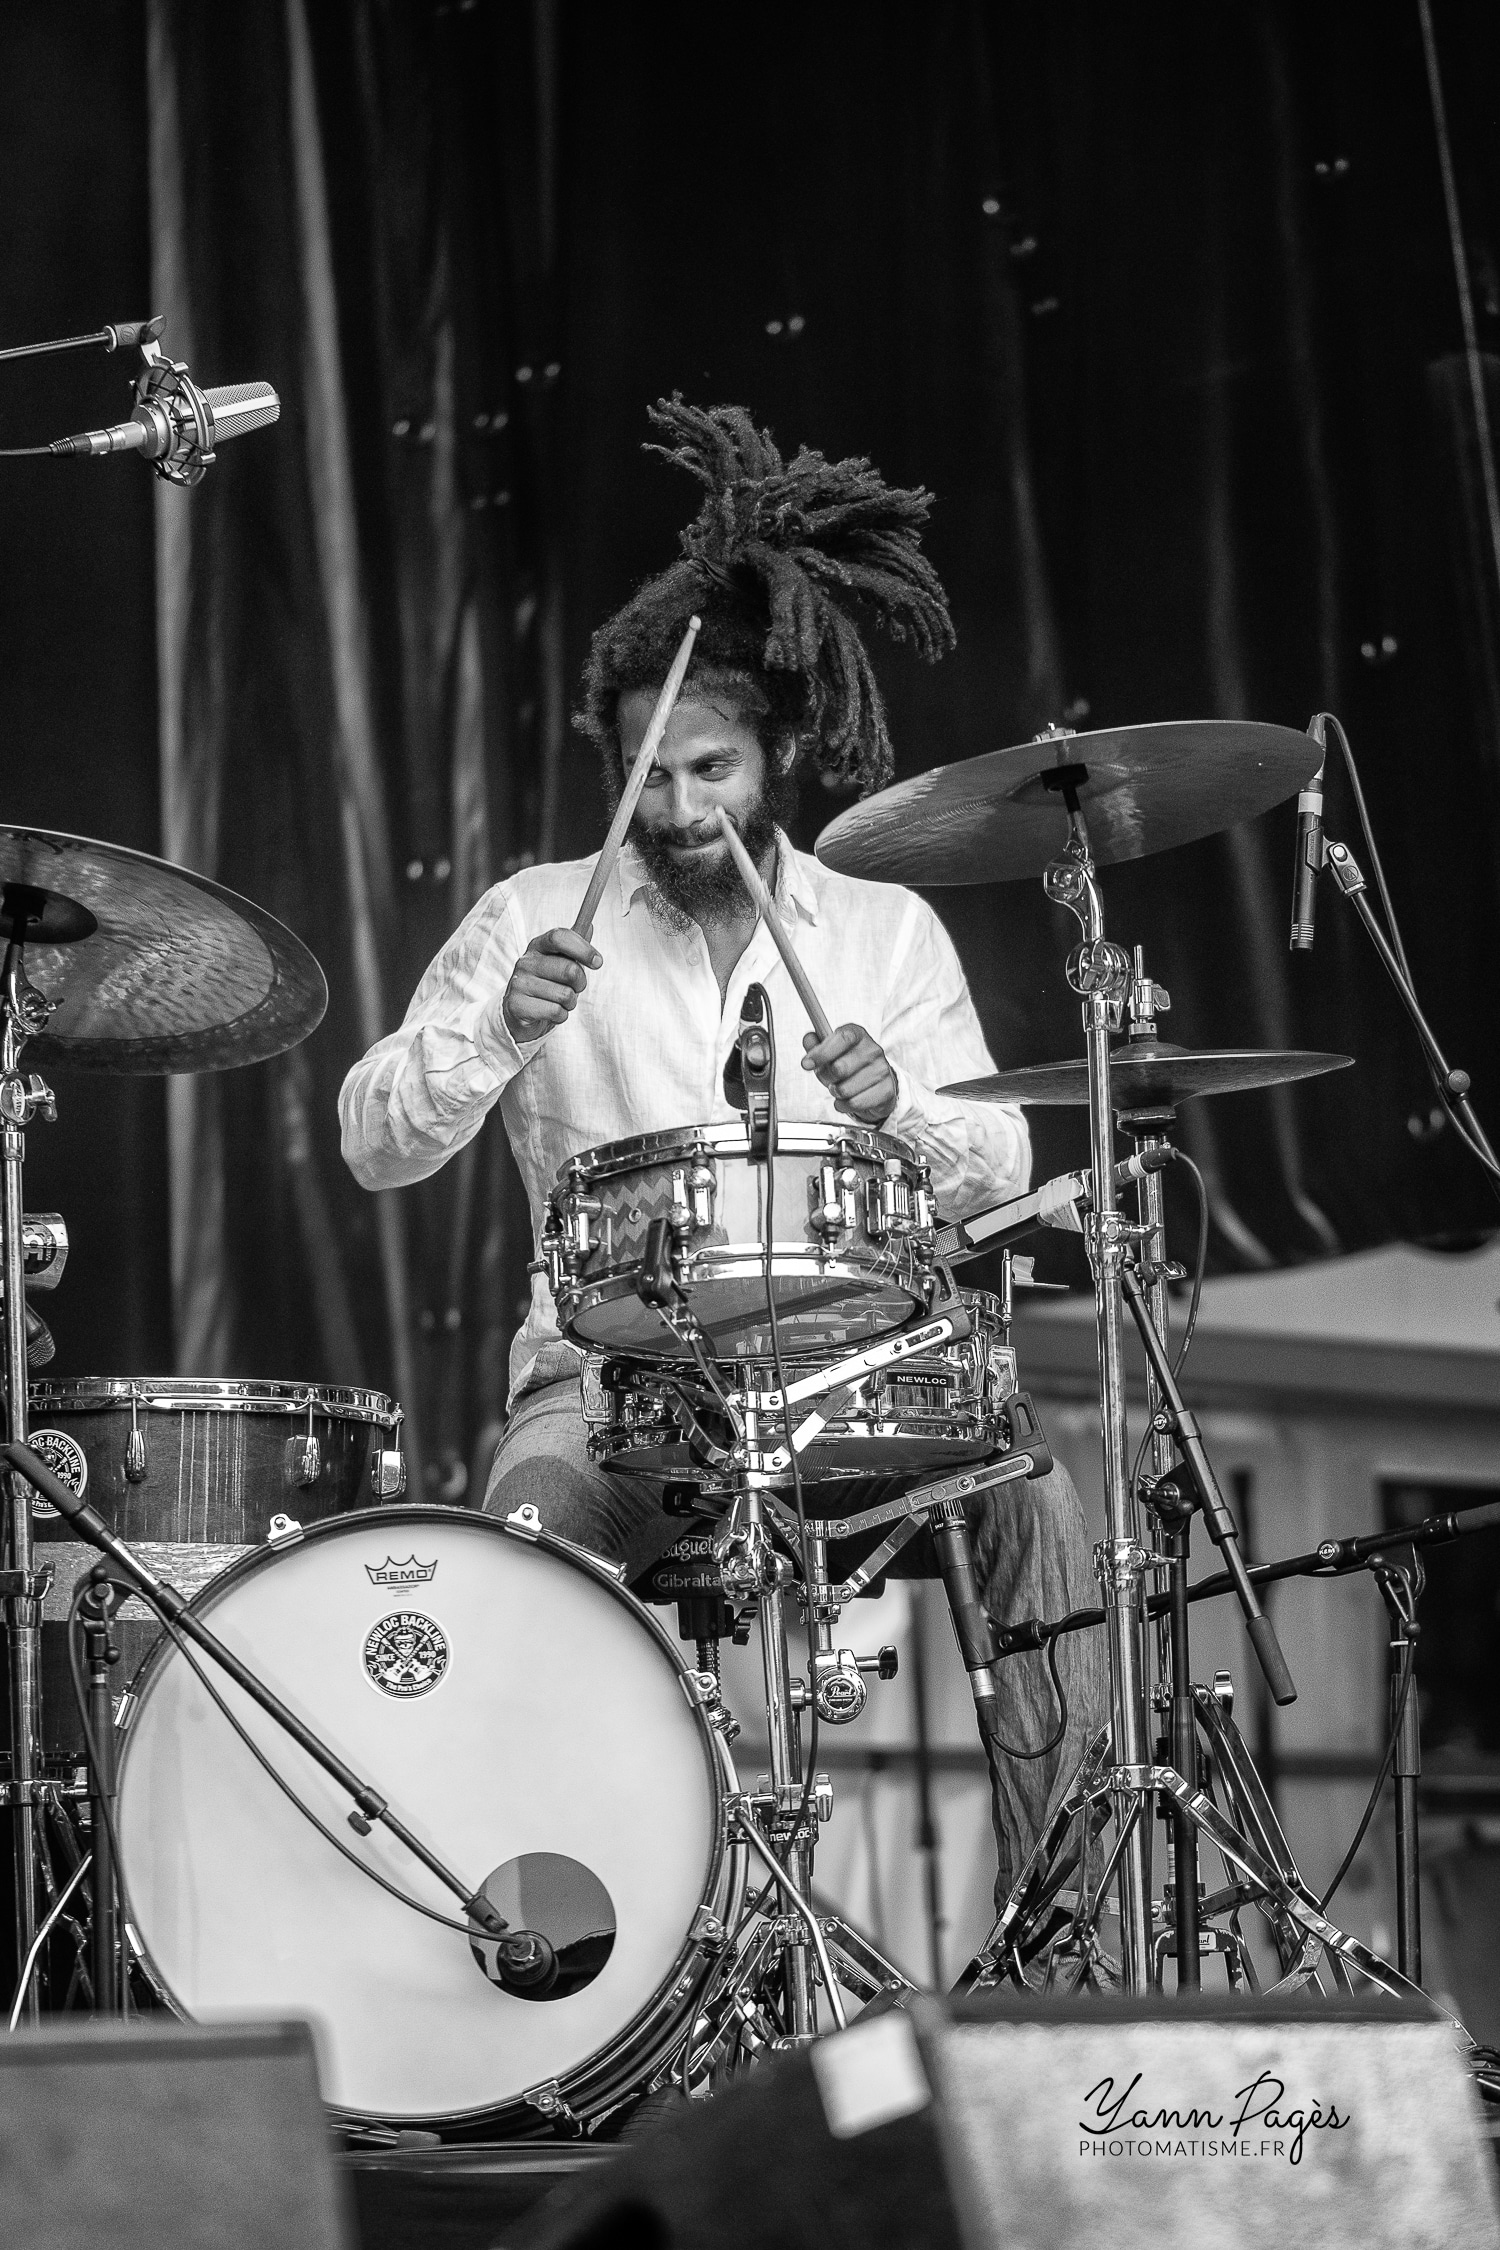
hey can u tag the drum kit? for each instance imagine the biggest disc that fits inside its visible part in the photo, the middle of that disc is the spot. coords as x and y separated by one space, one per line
338 1700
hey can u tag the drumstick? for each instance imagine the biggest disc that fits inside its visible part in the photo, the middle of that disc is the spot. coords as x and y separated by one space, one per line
754 883
645 759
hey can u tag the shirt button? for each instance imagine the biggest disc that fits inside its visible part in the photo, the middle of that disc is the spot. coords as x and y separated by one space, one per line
692 960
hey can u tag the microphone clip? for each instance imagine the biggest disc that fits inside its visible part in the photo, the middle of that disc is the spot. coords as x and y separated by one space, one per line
749 1072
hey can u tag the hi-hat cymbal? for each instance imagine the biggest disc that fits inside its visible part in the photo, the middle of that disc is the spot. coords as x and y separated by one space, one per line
154 968
995 818
1151 1074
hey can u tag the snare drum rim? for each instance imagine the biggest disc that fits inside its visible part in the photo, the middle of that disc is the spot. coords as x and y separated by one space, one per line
660 2019
727 1138
201 1394
726 1261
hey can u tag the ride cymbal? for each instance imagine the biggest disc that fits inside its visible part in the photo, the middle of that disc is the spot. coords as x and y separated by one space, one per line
997 818
154 968
1151 1074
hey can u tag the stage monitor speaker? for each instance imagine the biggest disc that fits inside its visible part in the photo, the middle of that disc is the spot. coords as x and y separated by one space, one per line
148 2136
1032 2125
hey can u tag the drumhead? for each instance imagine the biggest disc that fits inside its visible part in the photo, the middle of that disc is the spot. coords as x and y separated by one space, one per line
520 1712
727 1140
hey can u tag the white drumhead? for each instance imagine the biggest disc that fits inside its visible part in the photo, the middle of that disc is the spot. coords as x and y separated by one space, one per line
506 1701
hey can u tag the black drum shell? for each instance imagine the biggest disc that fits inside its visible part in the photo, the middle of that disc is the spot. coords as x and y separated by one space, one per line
217 1469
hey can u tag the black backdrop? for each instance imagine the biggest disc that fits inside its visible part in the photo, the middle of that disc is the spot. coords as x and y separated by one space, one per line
1160 303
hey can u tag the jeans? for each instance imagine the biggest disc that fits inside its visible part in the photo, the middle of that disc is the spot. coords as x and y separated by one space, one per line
1031 1558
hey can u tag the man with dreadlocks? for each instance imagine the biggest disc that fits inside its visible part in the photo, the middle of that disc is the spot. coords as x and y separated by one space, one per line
583 1043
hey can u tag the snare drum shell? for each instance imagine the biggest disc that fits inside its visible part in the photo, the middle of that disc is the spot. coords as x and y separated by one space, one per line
215 1468
833 1287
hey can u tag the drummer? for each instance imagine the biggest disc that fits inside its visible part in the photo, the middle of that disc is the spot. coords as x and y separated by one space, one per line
581 1043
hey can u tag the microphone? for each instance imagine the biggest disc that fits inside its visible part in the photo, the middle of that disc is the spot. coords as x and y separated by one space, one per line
177 425
1309 860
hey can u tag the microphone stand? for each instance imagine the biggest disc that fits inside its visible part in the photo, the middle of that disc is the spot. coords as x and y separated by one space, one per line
530 1963
1453 1085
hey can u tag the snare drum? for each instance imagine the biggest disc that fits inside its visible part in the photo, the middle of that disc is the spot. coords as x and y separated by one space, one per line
938 1408
851 1258
191 1472
528 1719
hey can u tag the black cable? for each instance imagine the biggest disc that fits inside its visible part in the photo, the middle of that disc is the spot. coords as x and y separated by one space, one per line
22 452
185 1649
1028 1757
1459 1123
809 1781
1407 1670
1377 870
1200 1263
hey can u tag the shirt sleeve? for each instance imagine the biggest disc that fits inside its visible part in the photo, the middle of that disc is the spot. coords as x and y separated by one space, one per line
980 1152
424 1091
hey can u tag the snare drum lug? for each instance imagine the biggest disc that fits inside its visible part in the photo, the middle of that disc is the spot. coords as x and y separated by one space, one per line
527 1524
548 2098
135 1444
125 1708
285 1531
303 1461
388 1472
708 1931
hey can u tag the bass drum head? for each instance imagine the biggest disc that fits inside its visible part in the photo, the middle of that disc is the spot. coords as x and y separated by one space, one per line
521 1714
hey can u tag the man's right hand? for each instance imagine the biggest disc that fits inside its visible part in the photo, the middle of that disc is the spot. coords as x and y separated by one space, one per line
545 983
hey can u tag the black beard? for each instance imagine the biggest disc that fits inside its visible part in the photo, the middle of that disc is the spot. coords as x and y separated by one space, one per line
708 890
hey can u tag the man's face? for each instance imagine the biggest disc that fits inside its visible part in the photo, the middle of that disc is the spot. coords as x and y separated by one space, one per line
709 757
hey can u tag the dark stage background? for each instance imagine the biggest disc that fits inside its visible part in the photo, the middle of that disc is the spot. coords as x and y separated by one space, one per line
1160 303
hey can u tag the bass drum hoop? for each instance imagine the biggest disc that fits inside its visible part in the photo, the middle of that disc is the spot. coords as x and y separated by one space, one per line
198 1394
635 2052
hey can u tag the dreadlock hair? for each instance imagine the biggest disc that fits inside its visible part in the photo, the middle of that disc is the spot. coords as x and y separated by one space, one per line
762 562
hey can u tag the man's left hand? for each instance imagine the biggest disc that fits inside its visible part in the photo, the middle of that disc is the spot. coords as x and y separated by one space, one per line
855 1071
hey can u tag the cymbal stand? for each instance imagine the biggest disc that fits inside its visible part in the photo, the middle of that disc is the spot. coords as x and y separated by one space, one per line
23 1013
1099 971
1170 1521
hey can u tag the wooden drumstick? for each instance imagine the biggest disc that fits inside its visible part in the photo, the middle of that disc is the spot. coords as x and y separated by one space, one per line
645 759
754 883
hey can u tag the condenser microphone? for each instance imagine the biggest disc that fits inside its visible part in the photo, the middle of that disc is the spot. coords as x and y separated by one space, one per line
160 434
1309 860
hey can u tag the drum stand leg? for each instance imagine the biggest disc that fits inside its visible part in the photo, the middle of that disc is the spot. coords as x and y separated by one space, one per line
100 1655
23 1012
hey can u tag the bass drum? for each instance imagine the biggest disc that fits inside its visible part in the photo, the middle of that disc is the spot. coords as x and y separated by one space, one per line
528 1719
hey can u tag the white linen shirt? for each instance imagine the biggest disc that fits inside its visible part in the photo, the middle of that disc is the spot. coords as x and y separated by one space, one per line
644 1049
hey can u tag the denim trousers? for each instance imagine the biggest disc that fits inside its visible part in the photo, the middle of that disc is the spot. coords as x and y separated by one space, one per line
1031 1558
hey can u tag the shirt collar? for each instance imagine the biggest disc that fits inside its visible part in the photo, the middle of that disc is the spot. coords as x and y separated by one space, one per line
794 886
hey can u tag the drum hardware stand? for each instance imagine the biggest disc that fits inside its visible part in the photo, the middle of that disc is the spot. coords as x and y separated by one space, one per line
23 1013
1098 970
1401 1586
1255 1842
109 1960
530 1959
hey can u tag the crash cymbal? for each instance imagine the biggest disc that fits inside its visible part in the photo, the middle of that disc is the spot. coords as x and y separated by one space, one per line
1151 1074
155 968
996 818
